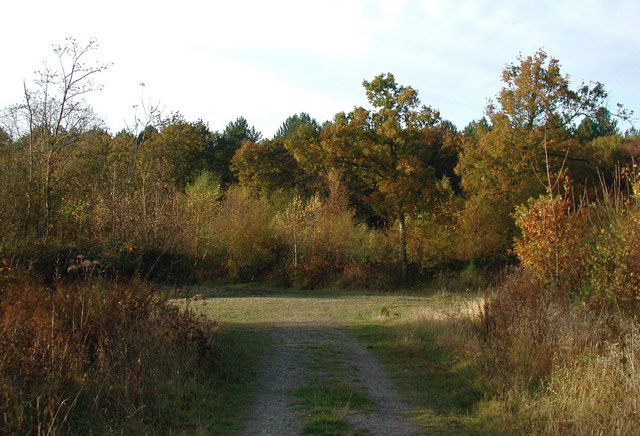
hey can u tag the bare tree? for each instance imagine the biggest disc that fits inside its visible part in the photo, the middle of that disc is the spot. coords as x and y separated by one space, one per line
49 122
151 117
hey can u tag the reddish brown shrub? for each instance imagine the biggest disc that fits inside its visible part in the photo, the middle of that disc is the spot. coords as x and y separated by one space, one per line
530 327
92 353
551 231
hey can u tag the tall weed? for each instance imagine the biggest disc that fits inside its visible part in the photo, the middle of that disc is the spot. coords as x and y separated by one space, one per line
95 357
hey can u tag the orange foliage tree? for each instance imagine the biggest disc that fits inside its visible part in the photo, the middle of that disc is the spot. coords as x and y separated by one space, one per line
551 231
533 128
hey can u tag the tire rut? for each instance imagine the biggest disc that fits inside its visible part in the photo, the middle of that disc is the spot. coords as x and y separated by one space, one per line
305 352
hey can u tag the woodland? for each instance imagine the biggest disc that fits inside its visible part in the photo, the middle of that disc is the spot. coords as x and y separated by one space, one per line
538 198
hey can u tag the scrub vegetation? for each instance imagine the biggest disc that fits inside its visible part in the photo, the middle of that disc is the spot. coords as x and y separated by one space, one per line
534 207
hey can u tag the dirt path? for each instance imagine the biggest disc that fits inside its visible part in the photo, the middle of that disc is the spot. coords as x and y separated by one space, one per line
303 352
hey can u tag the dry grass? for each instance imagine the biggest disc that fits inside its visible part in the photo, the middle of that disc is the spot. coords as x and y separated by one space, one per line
556 366
544 363
98 357
598 393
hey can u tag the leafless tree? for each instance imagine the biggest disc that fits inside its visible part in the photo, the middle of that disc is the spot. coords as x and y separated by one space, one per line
49 122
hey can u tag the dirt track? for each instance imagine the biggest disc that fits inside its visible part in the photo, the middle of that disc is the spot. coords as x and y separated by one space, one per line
303 352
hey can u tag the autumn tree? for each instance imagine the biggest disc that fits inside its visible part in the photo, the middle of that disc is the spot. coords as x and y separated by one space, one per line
266 166
13 192
49 123
301 137
269 165
225 146
182 146
532 130
83 184
201 203
386 151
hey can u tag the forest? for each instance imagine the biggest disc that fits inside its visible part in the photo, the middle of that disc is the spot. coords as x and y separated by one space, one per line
537 199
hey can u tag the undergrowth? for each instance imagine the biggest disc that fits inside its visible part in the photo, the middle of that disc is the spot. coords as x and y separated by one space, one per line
524 360
103 357
566 368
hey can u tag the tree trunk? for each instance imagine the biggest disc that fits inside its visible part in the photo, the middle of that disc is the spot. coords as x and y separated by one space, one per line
403 247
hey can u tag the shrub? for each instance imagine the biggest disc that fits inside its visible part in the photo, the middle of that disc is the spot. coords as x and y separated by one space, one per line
94 357
325 246
530 328
245 236
612 262
201 204
551 231
556 367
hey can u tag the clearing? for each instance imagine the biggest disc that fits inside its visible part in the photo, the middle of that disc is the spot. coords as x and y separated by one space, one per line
330 365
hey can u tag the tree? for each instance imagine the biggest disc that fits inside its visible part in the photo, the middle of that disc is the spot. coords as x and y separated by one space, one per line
266 167
83 184
536 94
602 124
183 146
387 151
531 131
225 146
11 176
291 125
49 122
202 200
5 139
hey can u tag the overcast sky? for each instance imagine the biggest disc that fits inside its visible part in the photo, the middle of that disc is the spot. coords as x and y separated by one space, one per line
265 60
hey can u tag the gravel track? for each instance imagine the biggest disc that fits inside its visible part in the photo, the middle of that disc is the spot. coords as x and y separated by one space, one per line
303 352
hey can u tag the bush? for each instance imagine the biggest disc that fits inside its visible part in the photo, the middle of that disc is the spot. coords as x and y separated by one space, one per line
612 262
561 368
592 252
320 236
551 232
94 357
244 235
169 268
530 327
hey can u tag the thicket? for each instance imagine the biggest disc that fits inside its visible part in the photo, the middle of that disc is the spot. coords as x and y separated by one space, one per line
557 340
99 357
376 197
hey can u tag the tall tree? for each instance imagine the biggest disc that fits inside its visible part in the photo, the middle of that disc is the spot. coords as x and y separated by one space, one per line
267 166
536 94
183 146
225 146
50 121
291 125
387 151
532 130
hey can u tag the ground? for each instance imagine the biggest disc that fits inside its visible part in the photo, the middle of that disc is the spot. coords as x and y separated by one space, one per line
320 374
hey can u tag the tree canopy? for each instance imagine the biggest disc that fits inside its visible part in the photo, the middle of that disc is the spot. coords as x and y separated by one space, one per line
410 182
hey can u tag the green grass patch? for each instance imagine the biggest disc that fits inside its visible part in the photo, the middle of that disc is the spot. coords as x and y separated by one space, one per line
332 308
327 403
447 391
231 396
205 403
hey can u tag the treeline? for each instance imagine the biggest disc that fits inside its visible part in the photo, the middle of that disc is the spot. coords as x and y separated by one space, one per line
376 197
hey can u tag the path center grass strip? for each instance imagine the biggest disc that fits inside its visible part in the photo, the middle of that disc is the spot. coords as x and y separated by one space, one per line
327 403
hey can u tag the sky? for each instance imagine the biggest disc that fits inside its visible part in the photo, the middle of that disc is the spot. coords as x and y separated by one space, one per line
266 60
